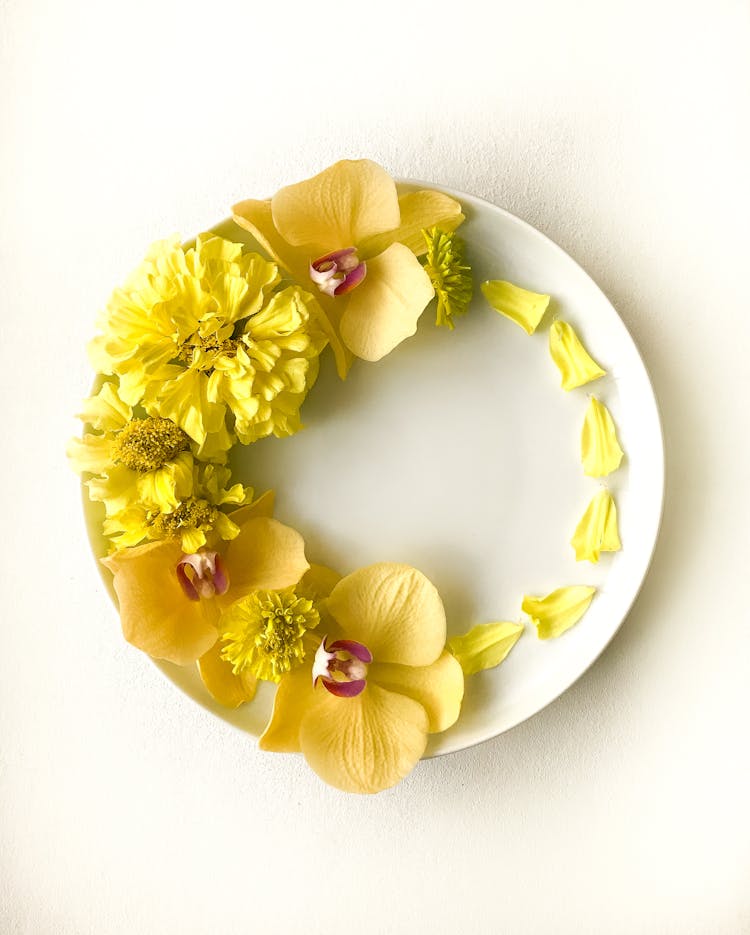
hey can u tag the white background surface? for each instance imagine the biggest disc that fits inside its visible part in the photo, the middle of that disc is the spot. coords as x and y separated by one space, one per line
621 131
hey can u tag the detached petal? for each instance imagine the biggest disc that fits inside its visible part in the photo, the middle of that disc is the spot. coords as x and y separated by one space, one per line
227 688
156 615
384 310
439 688
265 556
419 211
597 531
485 645
572 358
339 207
363 744
601 453
394 610
521 306
558 611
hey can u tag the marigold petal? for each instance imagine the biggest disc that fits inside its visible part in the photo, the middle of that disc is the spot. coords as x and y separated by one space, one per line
485 645
339 207
394 610
439 688
573 361
601 453
156 615
523 307
419 211
265 556
384 310
225 687
105 411
597 531
558 611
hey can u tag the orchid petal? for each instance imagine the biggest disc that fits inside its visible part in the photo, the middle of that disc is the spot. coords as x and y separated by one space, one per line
384 310
294 698
419 211
439 688
601 453
265 556
485 645
597 531
394 610
225 687
573 361
558 611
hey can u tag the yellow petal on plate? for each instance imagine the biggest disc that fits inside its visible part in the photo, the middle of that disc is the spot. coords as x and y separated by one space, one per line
485 645
339 207
394 610
597 531
384 310
521 306
601 453
439 688
558 611
573 361
419 211
363 744
156 615
294 698
227 688
265 556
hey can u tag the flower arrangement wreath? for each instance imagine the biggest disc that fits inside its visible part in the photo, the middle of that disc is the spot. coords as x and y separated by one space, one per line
209 345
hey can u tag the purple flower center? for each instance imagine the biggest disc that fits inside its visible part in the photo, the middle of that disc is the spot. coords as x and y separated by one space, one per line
202 575
339 272
342 667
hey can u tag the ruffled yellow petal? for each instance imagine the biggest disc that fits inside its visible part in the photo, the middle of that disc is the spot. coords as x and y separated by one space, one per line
419 211
521 306
597 531
558 611
156 615
439 688
601 453
384 310
339 207
294 698
227 688
363 744
485 645
573 361
91 454
394 610
105 411
265 556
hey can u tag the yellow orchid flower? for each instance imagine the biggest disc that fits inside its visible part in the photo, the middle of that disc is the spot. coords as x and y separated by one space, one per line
597 531
348 233
485 646
558 611
380 682
171 602
573 361
601 453
523 307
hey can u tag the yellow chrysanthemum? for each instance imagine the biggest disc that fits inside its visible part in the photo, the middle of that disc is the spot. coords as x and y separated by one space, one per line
449 274
201 336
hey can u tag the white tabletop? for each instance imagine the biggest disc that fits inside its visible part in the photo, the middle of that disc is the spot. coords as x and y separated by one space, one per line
621 131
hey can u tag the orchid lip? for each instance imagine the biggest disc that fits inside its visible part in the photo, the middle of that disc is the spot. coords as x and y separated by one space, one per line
202 575
338 272
347 658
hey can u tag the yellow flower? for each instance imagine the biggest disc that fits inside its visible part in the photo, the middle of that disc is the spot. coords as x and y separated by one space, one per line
383 682
485 645
573 361
347 232
521 306
558 611
449 274
199 336
134 461
597 531
601 453
171 602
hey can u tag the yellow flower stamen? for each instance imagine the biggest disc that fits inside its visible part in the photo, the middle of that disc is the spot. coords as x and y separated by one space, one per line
191 514
201 352
449 274
148 444
263 633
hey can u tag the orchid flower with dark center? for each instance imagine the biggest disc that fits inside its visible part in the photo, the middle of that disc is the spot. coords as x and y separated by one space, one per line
202 575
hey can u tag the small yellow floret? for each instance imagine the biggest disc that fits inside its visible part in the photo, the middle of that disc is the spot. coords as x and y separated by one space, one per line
148 444
449 274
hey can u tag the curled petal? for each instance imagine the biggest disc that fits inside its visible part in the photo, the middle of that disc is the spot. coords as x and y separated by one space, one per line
485 645
521 306
344 689
573 361
227 688
601 453
419 211
558 611
597 531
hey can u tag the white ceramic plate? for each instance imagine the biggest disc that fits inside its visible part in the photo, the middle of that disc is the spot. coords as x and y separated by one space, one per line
459 454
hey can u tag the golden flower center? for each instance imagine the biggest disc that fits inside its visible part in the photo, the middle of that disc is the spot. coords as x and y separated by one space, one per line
148 444
192 513
202 350
264 632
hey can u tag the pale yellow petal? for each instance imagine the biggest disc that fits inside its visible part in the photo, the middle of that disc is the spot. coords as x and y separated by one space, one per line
601 453
419 211
105 411
339 207
597 531
363 744
485 645
384 310
227 688
294 698
521 306
156 615
394 610
573 361
558 611
265 556
318 582
439 688
263 506
91 454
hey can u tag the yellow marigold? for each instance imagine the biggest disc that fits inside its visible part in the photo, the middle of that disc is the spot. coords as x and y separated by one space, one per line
204 337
